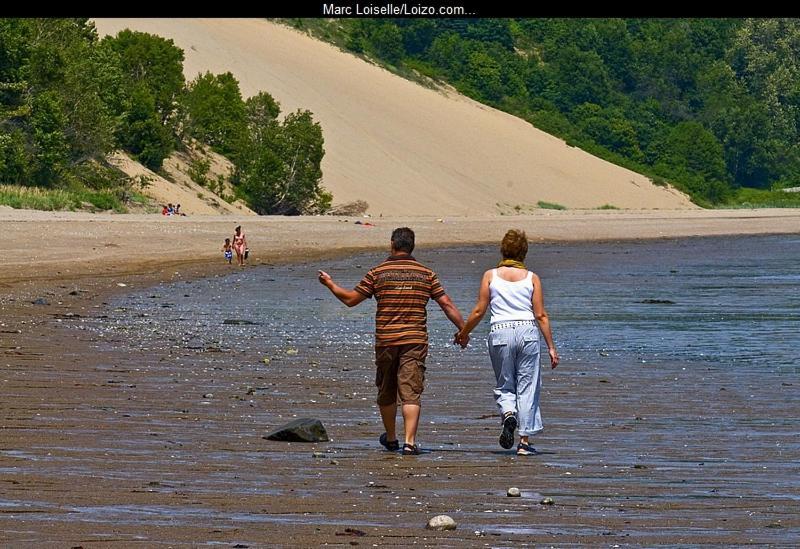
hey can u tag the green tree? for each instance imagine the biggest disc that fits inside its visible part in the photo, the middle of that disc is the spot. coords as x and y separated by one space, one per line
418 34
387 42
153 62
217 113
50 147
581 77
13 160
483 75
283 172
609 128
142 133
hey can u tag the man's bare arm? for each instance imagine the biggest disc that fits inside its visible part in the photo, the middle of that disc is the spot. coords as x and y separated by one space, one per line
451 311
351 298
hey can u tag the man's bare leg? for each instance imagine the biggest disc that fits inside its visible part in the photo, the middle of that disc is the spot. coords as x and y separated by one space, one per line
411 421
389 415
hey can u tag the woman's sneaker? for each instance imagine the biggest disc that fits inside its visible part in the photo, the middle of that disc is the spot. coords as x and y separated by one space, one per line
526 450
507 435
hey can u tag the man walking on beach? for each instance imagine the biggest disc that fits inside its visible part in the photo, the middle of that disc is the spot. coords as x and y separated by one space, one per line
402 287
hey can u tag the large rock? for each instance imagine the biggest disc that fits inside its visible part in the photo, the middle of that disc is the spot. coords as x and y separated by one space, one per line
300 430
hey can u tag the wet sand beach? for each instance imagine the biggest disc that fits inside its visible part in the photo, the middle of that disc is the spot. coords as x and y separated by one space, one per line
136 414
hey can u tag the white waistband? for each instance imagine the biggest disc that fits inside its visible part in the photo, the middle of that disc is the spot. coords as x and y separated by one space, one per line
510 324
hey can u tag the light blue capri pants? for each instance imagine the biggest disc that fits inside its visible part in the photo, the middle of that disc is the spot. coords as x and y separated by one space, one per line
514 351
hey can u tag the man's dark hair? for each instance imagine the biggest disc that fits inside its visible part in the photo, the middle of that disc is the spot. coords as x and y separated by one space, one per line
403 240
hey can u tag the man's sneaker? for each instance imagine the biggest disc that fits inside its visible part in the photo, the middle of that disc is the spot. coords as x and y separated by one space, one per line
507 436
526 450
411 450
391 445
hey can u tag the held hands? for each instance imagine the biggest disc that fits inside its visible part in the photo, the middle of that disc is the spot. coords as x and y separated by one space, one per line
461 339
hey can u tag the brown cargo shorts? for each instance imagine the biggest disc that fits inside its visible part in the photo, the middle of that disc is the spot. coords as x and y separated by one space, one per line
400 374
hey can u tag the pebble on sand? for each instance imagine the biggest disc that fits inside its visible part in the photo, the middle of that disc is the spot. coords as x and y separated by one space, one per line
513 492
441 522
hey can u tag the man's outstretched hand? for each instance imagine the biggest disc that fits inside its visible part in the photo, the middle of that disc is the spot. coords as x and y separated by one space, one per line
324 278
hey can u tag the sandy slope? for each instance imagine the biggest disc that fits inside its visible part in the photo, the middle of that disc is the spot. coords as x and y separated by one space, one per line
194 199
405 149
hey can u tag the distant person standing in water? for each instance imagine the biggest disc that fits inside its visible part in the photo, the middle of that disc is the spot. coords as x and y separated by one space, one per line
402 287
239 245
517 304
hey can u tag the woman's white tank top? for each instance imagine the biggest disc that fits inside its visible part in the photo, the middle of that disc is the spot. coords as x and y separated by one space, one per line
511 300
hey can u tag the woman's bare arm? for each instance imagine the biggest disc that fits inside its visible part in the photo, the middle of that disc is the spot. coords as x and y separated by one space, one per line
480 307
543 320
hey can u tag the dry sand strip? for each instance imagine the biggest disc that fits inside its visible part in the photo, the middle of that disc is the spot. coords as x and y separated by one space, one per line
45 247
404 148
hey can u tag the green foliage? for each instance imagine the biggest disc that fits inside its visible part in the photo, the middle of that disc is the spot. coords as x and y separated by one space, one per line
54 87
152 62
13 159
47 122
34 198
67 99
147 105
198 171
760 198
609 128
550 205
386 42
578 77
483 77
279 172
142 133
217 113
691 147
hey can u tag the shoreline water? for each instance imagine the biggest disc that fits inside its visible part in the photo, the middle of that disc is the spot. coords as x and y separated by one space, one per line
45 248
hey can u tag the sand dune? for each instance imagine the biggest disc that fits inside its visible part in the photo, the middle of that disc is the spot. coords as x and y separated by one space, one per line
194 199
405 149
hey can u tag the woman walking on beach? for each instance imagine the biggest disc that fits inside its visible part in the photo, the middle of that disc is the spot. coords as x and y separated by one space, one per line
515 297
239 245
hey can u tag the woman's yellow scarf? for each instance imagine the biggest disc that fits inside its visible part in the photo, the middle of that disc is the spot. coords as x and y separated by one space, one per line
512 263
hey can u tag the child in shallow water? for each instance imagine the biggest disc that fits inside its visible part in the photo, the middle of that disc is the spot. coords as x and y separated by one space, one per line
228 249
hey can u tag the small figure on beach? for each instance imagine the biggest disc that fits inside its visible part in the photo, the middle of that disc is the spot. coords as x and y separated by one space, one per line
228 250
515 297
239 245
402 288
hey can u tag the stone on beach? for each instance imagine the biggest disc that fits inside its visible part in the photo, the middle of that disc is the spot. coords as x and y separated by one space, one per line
441 522
300 430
